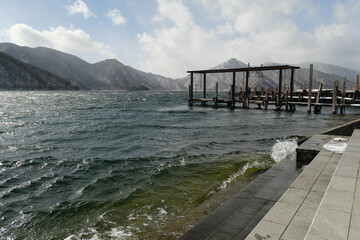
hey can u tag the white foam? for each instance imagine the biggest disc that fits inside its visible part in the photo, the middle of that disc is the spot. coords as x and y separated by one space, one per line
337 145
241 172
182 162
283 148
13 149
162 213
120 233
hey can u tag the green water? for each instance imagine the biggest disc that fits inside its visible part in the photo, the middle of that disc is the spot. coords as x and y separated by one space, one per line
129 165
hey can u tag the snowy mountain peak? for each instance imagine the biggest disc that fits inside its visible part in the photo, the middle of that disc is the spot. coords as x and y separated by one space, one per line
231 63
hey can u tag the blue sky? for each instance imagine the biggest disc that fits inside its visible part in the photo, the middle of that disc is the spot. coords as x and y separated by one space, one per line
169 37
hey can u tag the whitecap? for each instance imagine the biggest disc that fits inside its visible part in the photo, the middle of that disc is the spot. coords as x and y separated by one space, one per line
239 173
182 162
283 148
120 233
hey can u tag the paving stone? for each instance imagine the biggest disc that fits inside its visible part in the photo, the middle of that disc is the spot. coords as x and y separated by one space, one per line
266 230
346 171
281 213
315 196
297 228
304 182
357 192
267 193
329 224
244 233
354 234
308 208
349 161
294 195
343 183
220 235
236 203
260 215
352 150
338 200
236 223
321 183
355 218
254 206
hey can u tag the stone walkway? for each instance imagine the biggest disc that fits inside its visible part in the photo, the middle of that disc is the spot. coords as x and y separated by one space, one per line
322 203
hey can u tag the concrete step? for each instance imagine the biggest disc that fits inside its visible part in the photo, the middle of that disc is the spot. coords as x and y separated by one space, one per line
292 215
338 214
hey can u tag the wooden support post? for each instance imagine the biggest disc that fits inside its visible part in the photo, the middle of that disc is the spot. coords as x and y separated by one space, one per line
292 84
356 95
278 101
342 108
246 103
319 93
216 93
287 101
317 106
334 107
266 99
204 95
233 90
343 92
191 89
310 88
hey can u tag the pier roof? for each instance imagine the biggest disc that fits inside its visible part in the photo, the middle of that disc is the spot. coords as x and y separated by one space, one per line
246 69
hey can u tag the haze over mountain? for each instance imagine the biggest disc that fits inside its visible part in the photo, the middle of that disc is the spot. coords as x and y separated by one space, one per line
17 75
71 72
324 73
105 75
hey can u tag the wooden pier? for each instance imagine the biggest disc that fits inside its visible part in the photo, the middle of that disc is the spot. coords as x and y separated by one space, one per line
280 98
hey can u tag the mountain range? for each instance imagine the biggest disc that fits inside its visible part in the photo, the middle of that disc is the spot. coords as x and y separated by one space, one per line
106 75
43 68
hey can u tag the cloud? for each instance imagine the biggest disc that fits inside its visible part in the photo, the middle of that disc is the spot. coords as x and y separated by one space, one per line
80 7
115 16
252 31
69 40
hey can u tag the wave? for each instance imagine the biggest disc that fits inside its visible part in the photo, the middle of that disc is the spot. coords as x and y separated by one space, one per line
283 148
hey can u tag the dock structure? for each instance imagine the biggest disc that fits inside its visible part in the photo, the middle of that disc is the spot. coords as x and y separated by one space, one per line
318 201
290 98
246 99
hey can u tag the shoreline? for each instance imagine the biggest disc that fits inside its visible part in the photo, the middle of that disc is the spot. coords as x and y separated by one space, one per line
238 217
252 202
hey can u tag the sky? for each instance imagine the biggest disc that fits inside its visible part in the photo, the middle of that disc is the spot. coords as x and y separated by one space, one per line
169 37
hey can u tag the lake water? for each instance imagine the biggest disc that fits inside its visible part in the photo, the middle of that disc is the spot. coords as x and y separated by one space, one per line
131 165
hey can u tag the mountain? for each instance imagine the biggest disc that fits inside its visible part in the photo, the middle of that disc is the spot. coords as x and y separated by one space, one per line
324 73
118 76
113 75
330 69
17 75
256 79
105 75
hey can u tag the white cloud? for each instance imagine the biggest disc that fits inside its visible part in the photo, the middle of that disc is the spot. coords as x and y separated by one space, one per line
80 7
69 40
252 31
115 16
